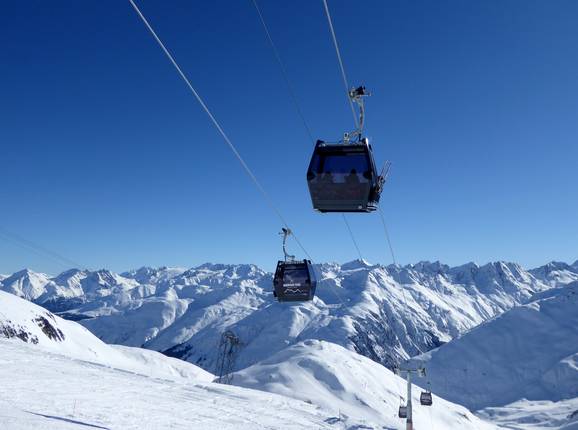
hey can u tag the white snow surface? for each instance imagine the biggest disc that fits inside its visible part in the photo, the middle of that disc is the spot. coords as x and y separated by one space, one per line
363 393
26 284
50 391
20 319
535 415
529 352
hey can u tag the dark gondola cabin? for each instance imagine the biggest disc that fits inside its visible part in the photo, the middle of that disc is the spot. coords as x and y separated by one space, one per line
402 412
294 281
426 398
342 177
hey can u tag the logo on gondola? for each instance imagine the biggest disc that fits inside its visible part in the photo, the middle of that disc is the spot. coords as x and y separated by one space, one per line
296 291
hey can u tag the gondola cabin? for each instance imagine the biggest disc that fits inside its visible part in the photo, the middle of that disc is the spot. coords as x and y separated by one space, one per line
294 281
343 177
402 412
425 398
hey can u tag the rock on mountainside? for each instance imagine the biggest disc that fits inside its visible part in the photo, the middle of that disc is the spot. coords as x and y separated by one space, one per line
385 313
26 322
529 352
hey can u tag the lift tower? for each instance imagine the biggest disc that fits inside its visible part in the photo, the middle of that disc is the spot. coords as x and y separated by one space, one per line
420 371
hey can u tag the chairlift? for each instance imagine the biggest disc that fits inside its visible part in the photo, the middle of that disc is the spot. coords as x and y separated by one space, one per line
294 280
425 398
342 177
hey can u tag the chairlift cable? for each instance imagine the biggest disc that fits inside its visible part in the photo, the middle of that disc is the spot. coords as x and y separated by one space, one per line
39 249
218 127
284 72
386 231
342 68
296 101
352 237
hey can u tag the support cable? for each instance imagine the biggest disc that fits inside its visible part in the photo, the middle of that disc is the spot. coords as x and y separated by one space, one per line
352 237
387 236
343 75
39 249
295 100
284 72
218 127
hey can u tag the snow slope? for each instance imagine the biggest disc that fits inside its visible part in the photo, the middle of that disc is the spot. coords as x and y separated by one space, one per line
556 273
26 284
535 415
385 313
363 393
529 352
49 391
27 322
55 374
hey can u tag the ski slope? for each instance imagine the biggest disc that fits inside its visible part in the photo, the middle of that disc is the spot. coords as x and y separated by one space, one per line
49 391
55 374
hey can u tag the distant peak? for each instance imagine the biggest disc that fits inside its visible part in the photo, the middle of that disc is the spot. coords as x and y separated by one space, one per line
428 266
358 263
27 273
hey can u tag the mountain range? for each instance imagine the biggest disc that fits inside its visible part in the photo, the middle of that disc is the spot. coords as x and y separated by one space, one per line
224 319
386 313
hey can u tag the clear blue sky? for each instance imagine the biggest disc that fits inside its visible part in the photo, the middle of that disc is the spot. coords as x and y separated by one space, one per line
107 159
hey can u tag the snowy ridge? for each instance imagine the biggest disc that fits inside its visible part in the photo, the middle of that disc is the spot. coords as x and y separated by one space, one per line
385 313
557 273
363 393
529 352
26 284
29 323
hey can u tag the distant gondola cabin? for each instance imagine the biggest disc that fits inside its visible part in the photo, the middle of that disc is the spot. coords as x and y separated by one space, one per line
294 281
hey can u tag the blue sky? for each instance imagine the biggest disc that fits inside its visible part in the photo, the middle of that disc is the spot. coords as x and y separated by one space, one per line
108 160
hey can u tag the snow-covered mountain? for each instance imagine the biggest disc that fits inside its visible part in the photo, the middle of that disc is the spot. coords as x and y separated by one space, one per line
32 324
56 375
385 313
556 273
26 284
150 275
361 392
529 352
